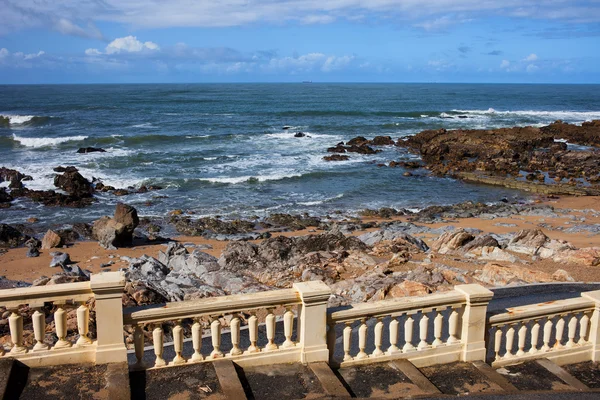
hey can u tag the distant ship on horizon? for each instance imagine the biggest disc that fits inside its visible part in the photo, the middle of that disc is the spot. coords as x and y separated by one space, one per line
306 81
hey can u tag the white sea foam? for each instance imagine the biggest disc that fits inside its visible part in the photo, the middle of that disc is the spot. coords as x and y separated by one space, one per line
46 141
550 115
19 119
144 125
248 178
317 202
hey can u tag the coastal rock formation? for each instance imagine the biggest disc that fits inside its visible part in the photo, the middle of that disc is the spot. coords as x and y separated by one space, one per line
72 182
14 177
51 240
118 231
11 237
500 156
85 150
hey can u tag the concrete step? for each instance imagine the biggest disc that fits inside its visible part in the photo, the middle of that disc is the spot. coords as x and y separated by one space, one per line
79 381
382 380
541 375
586 372
281 381
190 381
460 378
491 374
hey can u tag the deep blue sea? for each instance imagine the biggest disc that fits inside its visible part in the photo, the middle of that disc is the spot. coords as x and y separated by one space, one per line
220 149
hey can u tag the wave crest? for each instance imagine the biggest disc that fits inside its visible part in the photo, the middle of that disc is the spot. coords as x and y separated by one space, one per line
46 141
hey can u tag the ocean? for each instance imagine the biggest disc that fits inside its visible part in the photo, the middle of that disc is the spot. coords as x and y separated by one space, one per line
220 149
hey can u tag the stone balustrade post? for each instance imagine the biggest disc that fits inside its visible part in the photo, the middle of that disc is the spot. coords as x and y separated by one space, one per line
313 321
474 321
108 291
594 337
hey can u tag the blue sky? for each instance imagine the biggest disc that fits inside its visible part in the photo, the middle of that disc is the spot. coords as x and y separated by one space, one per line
98 41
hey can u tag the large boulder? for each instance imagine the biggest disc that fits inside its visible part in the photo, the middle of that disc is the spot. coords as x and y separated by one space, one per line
107 231
11 237
118 231
126 215
500 275
51 240
72 182
451 241
528 241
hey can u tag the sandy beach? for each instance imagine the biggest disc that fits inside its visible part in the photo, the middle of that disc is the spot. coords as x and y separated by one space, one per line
89 255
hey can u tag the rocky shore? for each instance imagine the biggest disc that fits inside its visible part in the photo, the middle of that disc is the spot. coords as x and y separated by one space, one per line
380 254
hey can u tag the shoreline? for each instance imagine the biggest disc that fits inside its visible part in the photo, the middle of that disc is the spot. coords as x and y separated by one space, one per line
14 265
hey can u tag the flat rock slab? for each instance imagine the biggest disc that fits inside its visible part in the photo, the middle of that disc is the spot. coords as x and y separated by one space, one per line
531 376
459 378
381 380
81 381
193 381
587 372
281 381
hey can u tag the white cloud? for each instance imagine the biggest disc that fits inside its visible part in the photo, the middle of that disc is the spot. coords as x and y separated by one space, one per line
93 52
71 16
309 62
532 68
505 64
34 55
129 44
4 52
531 57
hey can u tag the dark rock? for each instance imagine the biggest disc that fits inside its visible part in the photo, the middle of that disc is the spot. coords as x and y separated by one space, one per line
126 215
120 192
11 237
481 241
336 157
84 150
293 222
60 259
33 252
74 183
358 141
13 176
382 141
299 134
5 197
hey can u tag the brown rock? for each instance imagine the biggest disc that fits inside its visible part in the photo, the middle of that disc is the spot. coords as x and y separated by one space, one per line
126 215
500 275
451 241
408 289
589 256
51 240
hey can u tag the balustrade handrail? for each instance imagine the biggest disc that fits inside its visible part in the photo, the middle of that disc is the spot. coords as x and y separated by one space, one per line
213 306
38 295
394 307
541 310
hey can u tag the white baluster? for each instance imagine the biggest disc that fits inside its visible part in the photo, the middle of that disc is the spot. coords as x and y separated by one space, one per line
522 335
270 323
393 337
510 336
347 341
423 326
408 334
197 341
498 342
288 325
39 329
437 329
215 331
60 322
83 325
235 336
535 335
560 329
178 344
453 327
571 331
378 338
547 334
362 340
138 344
15 323
584 324
253 333
157 341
